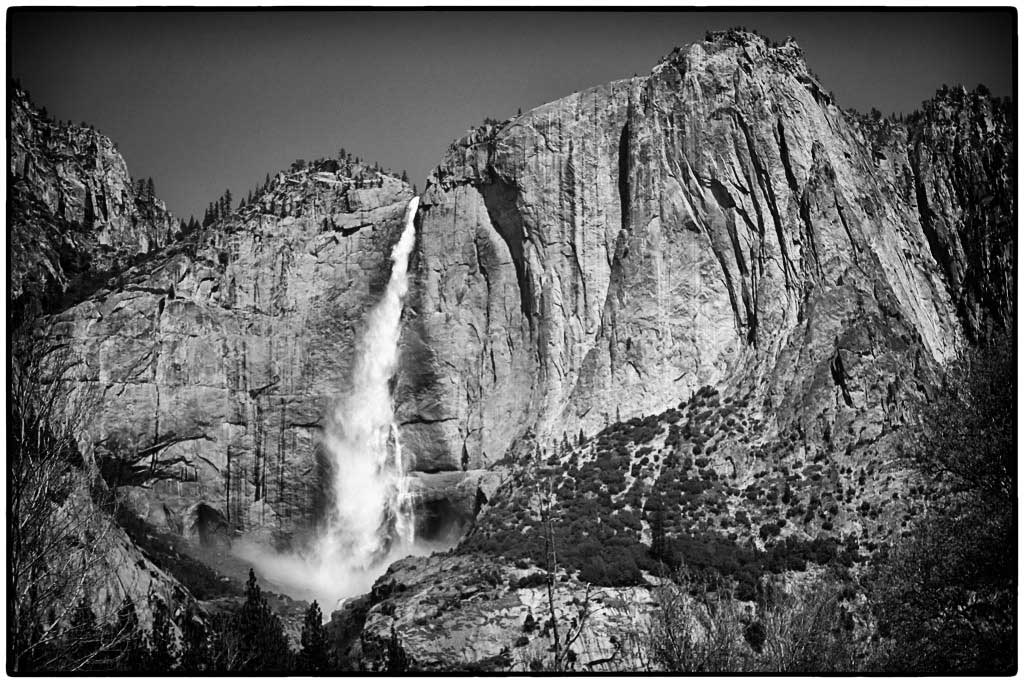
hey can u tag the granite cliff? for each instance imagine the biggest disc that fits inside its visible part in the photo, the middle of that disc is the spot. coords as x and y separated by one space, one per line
220 355
721 221
76 213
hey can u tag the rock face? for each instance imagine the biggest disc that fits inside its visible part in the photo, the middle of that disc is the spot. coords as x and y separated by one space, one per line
720 221
76 215
447 503
218 358
963 171
472 613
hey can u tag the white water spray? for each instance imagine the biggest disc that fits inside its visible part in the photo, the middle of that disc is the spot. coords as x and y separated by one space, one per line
371 521
372 508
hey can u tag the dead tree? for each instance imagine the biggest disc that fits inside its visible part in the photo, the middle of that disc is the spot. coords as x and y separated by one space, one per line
55 531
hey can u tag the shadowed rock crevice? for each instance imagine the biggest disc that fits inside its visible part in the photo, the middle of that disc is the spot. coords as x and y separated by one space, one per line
623 168
500 199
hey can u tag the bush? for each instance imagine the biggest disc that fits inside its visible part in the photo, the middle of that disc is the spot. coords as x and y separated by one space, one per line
699 627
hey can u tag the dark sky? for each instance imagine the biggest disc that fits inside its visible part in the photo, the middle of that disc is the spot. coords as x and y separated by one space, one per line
203 101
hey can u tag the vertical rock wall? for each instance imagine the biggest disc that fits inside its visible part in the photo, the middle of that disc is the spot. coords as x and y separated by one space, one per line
720 221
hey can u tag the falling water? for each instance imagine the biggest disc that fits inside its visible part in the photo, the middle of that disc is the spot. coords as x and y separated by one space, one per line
372 512
371 520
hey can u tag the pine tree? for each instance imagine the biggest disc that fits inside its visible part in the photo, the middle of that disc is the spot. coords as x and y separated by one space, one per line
264 646
581 439
656 519
225 204
315 652
150 190
405 177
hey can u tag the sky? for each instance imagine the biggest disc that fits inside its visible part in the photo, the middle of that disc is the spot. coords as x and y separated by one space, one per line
207 101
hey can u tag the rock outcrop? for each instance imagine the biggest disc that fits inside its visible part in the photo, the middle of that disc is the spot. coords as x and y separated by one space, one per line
76 215
473 613
217 359
720 221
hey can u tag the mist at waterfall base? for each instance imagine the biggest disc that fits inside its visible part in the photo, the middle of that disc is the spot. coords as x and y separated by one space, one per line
371 521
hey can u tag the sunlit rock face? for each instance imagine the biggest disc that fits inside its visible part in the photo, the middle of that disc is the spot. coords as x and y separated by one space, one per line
720 221
457 612
76 215
219 358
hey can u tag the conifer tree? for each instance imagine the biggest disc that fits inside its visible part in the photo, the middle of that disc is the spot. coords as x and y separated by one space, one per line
656 518
315 652
263 644
225 204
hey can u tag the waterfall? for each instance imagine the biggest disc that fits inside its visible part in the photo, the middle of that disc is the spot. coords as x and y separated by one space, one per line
371 520
372 510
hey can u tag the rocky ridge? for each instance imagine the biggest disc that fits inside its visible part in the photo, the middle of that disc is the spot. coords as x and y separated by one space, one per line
77 216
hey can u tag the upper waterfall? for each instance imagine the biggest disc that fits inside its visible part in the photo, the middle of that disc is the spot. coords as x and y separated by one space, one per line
370 520
371 510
